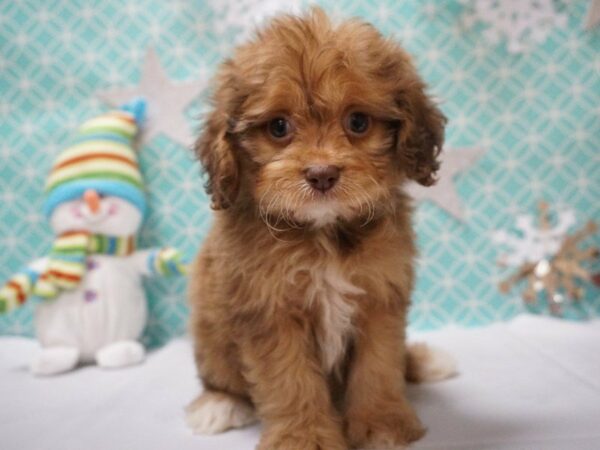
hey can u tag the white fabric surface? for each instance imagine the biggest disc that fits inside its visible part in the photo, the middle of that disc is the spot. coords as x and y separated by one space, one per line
533 383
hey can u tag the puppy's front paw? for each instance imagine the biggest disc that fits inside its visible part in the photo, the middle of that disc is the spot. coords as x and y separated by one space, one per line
320 439
384 432
215 412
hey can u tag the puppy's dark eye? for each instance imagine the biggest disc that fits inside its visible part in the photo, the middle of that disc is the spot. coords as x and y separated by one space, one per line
357 123
279 128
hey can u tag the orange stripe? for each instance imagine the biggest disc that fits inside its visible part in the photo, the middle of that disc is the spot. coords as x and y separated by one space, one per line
74 232
20 293
64 276
123 116
68 162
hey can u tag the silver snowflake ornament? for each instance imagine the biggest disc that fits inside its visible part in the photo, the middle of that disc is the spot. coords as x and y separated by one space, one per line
521 22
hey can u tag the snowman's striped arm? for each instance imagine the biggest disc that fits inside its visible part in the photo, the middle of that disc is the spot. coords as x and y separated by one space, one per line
17 289
166 262
14 293
29 281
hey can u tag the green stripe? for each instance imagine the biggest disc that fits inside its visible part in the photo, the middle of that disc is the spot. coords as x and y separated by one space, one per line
101 244
64 248
69 251
157 263
106 129
163 266
97 244
84 148
100 175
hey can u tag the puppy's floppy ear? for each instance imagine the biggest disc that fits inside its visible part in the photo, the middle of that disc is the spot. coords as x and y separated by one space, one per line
420 133
216 144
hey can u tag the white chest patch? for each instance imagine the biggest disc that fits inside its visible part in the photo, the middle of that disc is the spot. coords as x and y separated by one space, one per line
330 290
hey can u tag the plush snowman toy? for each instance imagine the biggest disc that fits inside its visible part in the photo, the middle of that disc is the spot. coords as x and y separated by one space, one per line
94 307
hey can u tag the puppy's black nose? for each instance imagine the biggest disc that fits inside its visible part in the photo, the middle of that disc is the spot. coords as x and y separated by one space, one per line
322 178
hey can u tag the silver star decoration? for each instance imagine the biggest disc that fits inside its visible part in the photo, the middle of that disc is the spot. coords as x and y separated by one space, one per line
593 15
167 101
443 193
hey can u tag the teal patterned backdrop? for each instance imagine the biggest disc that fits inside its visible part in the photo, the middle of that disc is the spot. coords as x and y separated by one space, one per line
537 114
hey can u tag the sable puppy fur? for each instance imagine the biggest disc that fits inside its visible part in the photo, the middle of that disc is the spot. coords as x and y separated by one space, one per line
300 293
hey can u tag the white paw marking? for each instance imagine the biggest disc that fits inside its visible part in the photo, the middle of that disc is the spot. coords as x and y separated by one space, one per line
211 414
438 365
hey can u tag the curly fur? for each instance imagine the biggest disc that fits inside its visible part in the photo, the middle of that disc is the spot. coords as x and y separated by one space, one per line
299 298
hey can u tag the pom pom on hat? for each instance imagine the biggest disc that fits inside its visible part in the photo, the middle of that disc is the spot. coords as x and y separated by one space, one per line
101 158
136 107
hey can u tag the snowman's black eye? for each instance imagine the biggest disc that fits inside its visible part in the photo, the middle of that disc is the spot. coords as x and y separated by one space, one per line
357 123
279 128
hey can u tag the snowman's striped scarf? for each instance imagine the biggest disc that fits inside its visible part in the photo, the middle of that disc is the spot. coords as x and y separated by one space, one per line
67 260
66 267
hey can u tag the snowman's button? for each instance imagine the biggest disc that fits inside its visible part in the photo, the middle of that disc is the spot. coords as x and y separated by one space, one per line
91 264
90 296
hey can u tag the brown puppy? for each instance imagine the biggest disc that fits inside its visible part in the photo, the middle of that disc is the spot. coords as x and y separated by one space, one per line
300 293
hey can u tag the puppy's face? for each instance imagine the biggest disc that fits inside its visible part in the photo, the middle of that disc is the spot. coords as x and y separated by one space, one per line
316 123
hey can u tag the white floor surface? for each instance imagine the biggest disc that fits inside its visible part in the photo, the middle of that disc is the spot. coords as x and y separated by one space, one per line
530 384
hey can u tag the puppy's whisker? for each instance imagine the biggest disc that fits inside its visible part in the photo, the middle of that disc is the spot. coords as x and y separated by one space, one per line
279 209
363 202
287 211
266 216
295 203
273 230
274 199
261 208
357 199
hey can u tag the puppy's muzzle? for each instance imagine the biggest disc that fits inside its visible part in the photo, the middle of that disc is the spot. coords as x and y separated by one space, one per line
322 178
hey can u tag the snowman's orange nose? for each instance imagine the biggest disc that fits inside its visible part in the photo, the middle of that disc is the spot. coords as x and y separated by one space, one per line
92 200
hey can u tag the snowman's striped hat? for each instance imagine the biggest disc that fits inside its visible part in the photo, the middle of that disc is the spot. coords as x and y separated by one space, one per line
101 158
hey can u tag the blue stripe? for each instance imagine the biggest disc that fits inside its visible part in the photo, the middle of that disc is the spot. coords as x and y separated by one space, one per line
172 265
80 139
69 258
75 189
111 245
32 274
151 258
